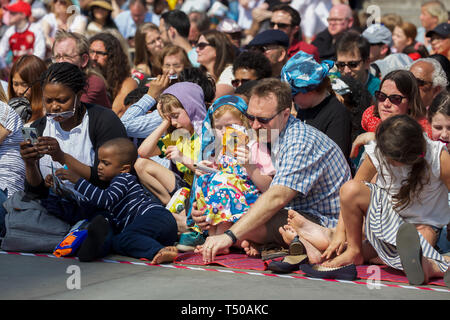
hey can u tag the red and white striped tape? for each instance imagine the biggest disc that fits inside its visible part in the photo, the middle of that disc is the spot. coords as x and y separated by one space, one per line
273 275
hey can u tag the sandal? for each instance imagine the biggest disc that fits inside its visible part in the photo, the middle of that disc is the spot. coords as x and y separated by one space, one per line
410 252
272 251
296 247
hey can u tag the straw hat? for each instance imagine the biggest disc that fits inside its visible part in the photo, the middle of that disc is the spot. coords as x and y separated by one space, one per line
105 4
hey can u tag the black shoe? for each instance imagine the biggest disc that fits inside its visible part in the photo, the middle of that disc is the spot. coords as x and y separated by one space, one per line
348 272
288 264
98 230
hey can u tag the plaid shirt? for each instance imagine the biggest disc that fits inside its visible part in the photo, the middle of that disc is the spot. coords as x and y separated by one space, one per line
307 161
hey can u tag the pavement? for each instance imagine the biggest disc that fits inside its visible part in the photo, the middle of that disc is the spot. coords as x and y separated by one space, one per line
36 277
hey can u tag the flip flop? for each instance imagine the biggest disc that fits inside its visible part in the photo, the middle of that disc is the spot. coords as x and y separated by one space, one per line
410 252
288 264
347 272
296 247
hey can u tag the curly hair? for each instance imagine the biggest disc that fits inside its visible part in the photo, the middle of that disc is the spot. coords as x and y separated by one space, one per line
118 66
256 61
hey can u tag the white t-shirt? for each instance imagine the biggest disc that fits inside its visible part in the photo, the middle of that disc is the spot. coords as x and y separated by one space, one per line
75 142
78 24
12 167
432 207
226 76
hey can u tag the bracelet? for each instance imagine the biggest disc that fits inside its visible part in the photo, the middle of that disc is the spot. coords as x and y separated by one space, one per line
231 235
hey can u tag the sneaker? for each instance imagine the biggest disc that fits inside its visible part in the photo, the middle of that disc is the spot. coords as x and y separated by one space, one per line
190 240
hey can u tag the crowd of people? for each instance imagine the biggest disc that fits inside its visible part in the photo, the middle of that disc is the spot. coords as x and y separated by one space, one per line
294 126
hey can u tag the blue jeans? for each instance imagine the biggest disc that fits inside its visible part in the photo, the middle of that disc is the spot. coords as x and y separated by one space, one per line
3 197
147 234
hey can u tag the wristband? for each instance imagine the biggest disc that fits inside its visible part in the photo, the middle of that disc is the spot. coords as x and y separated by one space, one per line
231 235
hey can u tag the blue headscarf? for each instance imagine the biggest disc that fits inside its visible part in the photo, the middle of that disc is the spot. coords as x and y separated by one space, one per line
304 73
207 130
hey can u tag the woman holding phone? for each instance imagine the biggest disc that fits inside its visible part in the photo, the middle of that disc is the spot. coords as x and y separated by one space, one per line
69 135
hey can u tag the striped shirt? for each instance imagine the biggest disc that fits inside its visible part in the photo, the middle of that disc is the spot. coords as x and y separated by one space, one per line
309 162
124 198
12 167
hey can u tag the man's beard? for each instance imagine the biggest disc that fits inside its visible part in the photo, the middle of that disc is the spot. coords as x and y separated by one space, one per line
102 69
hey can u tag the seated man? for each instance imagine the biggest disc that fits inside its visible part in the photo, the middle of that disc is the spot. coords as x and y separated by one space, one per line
353 59
250 65
310 169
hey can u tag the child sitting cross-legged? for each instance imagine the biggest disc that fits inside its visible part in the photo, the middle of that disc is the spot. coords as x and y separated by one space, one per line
139 226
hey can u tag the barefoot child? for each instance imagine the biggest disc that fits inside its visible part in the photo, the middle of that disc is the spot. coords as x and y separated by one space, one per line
143 227
244 168
177 138
404 210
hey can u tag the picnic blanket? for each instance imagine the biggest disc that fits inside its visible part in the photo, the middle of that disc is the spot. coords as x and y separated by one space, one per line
242 261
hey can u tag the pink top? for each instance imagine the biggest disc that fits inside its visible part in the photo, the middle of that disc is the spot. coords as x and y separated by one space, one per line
260 156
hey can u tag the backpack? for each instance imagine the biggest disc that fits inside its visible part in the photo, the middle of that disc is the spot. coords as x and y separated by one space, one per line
29 227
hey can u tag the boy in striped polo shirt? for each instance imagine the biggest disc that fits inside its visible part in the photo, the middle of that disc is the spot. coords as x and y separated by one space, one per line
138 225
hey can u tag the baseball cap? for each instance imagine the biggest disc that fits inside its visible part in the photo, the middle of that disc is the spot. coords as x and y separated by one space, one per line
270 37
20 7
378 33
442 29
303 73
394 61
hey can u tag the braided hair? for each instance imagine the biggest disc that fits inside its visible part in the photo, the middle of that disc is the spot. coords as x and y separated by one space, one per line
68 75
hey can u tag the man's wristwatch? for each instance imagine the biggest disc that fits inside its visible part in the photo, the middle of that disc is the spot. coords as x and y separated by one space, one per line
231 235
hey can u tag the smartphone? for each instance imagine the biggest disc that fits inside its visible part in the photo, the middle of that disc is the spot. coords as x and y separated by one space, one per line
31 134
205 168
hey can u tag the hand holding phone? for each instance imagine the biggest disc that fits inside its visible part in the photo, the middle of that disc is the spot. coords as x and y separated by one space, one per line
30 134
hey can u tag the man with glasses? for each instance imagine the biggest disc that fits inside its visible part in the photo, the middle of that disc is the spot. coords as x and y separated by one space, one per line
353 59
339 20
287 19
74 48
430 77
274 44
250 65
310 169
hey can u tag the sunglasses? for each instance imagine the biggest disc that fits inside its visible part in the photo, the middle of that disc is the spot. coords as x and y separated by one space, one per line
394 98
202 45
261 119
238 82
280 25
350 64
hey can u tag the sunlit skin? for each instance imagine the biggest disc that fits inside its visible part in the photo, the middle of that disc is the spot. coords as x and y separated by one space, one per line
173 64
440 127
110 164
387 109
20 86
98 59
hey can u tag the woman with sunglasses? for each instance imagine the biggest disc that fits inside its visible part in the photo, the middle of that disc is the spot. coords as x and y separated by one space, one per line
24 86
216 55
62 16
398 94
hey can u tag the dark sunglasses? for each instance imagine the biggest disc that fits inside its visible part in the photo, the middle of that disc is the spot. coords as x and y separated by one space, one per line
238 82
280 25
261 119
202 45
350 64
394 98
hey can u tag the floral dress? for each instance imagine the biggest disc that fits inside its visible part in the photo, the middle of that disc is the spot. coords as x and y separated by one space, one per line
227 194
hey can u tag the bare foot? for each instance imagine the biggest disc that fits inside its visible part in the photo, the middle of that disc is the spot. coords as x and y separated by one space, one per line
314 255
347 257
250 248
166 254
430 269
317 235
287 233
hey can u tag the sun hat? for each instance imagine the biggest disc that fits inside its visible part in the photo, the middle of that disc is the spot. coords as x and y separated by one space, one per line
105 4
303 73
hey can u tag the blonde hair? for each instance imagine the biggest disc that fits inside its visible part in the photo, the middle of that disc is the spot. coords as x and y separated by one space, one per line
234 111
168 103
436 9
3 95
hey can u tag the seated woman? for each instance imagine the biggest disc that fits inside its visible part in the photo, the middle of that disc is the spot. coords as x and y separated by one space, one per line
398 94
148 46
173 60
69 135
216 55
23 82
